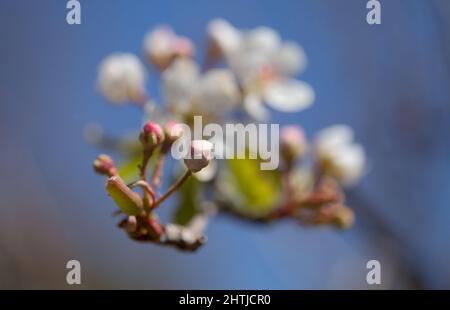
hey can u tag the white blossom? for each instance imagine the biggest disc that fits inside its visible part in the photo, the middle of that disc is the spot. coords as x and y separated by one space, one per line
289 95
224 35
217 91
264 39
339 155
290 59
122 78
265 66
179 82
162 45
254 106
158 44
187 91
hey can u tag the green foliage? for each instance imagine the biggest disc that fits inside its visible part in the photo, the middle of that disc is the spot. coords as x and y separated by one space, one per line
252 190
129 170
127 200
188 201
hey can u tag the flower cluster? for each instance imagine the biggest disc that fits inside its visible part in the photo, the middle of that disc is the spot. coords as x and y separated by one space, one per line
140 222
249 71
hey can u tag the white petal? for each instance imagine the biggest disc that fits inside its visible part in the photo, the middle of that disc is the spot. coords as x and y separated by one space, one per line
188 236
349 163
122 77
289 95
224 35
158 43
162 44
207 173
344 159
179 82
198 223
264 39
217 91
254 107
333 137
246 64
290 59
256 51
173 232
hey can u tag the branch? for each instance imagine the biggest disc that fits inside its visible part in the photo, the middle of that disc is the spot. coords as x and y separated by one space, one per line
157 172
173 188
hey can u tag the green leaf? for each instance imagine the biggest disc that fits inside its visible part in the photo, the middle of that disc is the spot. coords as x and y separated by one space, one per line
129 171
252 190
188 201
128 201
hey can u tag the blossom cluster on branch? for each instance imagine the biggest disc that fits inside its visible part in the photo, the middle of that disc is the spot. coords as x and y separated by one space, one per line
244 75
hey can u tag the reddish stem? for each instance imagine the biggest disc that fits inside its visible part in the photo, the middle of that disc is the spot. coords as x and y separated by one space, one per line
172 189
148 191
143 167
157 172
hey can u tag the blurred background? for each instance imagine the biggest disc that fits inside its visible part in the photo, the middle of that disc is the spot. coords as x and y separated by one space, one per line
390 82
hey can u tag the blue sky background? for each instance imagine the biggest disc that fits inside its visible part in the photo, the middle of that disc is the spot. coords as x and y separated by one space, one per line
390 82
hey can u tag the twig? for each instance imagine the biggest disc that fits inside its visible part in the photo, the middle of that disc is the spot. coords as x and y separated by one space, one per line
173 188
143 166
148 191
157 172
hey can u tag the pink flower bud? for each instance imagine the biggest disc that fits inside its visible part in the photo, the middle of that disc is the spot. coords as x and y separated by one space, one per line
201 152
172 132
151 135
104 164
293 142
